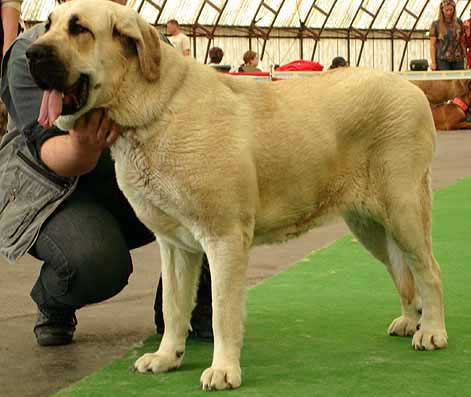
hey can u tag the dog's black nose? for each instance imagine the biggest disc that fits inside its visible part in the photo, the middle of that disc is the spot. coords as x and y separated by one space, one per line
46 68
39 52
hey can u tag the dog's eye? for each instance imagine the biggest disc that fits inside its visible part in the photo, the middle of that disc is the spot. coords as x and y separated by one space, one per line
79 29
75 28
48 24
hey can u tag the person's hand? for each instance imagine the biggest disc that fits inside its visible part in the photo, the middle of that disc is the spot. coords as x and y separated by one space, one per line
434 66
78 152
93 132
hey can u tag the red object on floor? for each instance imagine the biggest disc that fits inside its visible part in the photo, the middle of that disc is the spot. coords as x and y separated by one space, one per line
301 66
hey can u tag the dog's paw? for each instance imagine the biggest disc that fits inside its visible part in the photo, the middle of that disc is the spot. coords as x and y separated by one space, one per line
157 363
221 378
429 339
403 326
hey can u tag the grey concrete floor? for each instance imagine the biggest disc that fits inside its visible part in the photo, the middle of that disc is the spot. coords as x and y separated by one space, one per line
107 330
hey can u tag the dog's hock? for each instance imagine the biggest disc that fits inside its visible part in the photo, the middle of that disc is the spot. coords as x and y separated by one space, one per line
146 39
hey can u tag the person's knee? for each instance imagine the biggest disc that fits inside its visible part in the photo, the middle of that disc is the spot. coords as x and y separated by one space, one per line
92 276
86 256
100 275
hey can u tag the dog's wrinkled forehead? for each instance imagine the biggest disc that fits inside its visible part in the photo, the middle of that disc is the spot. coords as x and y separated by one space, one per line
75 16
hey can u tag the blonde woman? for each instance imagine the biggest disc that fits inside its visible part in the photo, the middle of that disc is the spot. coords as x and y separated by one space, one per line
447 45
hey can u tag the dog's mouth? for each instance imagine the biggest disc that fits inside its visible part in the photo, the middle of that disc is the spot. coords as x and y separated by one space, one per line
75 97
68 102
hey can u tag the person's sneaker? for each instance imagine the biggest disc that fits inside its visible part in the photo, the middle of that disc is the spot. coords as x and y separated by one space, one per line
54 329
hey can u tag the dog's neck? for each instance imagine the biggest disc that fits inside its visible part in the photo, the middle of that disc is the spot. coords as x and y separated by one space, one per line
127 109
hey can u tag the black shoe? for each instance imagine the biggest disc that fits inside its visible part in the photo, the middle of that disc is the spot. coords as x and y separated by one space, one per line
55 329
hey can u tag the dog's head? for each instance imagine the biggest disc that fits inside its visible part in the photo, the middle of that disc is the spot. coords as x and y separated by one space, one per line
86 51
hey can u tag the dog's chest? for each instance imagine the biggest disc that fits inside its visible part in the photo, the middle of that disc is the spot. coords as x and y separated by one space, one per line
150 194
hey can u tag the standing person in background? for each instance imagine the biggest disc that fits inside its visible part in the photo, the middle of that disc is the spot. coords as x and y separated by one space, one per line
250 62
447 46
10 21
179 39
467 33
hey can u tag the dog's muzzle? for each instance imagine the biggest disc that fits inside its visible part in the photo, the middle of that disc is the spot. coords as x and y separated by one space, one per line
48 72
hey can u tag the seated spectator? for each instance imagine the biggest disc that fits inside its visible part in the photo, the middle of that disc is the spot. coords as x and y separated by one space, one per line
339 62
250 62
215 56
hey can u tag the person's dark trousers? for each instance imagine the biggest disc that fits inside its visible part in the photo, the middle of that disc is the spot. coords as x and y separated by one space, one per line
201 318
445 65
85 245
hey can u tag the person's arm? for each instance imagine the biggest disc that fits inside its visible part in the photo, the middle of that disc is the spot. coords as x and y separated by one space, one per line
433 47
10 22
463 41
186 46
433 52
463 49
77 152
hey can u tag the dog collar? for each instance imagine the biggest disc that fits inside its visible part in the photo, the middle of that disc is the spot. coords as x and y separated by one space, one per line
461 104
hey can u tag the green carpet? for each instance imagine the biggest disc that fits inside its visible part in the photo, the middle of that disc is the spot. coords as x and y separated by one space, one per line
319 329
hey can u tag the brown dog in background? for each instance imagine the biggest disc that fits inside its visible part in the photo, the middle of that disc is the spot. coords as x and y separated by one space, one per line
452 115
440 91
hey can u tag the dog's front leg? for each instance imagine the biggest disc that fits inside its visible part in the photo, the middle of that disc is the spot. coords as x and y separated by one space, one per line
180 273
228 259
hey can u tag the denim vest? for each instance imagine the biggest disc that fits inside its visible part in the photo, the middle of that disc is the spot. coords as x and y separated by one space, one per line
29 192
28 196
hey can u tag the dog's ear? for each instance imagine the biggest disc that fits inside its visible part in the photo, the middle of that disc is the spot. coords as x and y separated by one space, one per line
146 39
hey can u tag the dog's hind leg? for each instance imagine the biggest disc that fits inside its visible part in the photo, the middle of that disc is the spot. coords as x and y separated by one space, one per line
409 223
180 274
374 238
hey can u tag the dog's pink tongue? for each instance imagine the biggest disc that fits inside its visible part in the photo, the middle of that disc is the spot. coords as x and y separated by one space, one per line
51 108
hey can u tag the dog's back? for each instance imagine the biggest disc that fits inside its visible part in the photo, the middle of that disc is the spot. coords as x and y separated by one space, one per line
337 141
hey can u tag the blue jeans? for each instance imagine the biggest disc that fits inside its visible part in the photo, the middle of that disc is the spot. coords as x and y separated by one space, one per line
445 65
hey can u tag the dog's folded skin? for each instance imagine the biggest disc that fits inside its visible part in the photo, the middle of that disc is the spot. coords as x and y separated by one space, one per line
216 164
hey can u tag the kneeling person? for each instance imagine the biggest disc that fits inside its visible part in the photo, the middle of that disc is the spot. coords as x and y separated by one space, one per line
85 231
